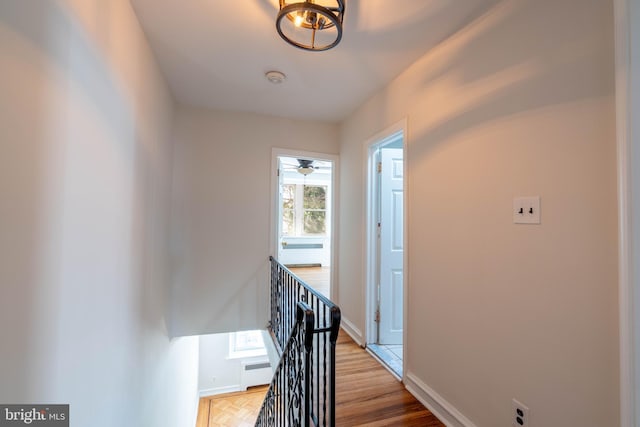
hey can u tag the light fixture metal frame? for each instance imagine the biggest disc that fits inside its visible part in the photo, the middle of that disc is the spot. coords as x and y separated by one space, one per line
334 15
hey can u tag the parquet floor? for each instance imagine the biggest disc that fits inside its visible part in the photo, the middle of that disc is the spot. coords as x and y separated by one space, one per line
231 409
366 395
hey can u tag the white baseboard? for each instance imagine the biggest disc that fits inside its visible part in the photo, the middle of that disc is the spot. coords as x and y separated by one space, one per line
352 331
220 390
442 409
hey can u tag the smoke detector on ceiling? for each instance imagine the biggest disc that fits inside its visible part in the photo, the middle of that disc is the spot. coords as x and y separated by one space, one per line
275 77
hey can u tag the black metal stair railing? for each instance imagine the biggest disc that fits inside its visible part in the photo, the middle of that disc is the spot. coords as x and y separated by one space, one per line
285 403
317 392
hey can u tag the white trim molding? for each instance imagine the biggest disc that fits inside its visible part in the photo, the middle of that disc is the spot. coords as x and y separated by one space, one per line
220 390
352 331
335 208
370 227
440 407
627 29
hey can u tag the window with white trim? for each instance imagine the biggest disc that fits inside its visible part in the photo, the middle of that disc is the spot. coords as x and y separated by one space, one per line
304 210
246 344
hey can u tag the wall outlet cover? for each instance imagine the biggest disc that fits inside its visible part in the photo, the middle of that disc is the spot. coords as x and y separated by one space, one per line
519 414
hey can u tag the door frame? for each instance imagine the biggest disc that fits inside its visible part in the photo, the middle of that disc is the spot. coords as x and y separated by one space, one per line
274 226
371 145
627 29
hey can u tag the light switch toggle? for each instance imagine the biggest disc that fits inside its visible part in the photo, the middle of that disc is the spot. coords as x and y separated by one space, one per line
526 210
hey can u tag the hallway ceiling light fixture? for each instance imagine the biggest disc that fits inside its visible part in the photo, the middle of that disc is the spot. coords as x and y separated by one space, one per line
309 25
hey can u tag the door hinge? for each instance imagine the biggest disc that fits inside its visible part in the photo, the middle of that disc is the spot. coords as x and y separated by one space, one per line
378 316
278 172
379 167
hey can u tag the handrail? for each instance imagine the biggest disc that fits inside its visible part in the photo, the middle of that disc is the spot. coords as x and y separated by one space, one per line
287 292
285 403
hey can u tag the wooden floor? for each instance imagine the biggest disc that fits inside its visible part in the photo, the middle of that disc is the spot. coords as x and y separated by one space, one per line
231 409
366 395
319 278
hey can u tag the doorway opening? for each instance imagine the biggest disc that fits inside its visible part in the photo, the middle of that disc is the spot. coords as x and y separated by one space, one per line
303 227
385 237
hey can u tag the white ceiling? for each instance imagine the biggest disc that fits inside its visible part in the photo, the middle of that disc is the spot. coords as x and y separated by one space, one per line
214 53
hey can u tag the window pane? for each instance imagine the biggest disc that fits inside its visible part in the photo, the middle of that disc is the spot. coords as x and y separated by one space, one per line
288 195
288 210
314 197
288 222
248 340
246 344
314 222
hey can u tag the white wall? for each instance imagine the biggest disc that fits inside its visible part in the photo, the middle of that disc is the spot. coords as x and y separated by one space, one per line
217 373
221 214
220 373
85 137
518 103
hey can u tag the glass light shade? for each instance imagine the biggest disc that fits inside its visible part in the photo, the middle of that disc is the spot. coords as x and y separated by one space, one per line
305 170
309 25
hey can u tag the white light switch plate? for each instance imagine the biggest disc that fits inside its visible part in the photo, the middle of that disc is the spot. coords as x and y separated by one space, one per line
526 210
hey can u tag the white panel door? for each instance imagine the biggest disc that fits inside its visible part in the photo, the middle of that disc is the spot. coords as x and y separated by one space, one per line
391 246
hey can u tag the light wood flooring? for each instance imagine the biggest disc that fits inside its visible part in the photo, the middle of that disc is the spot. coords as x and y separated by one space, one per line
231 409
319 278
366 395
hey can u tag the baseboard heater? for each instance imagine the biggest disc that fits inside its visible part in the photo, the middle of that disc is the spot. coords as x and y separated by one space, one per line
254 366
286 245
303 265
254 373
